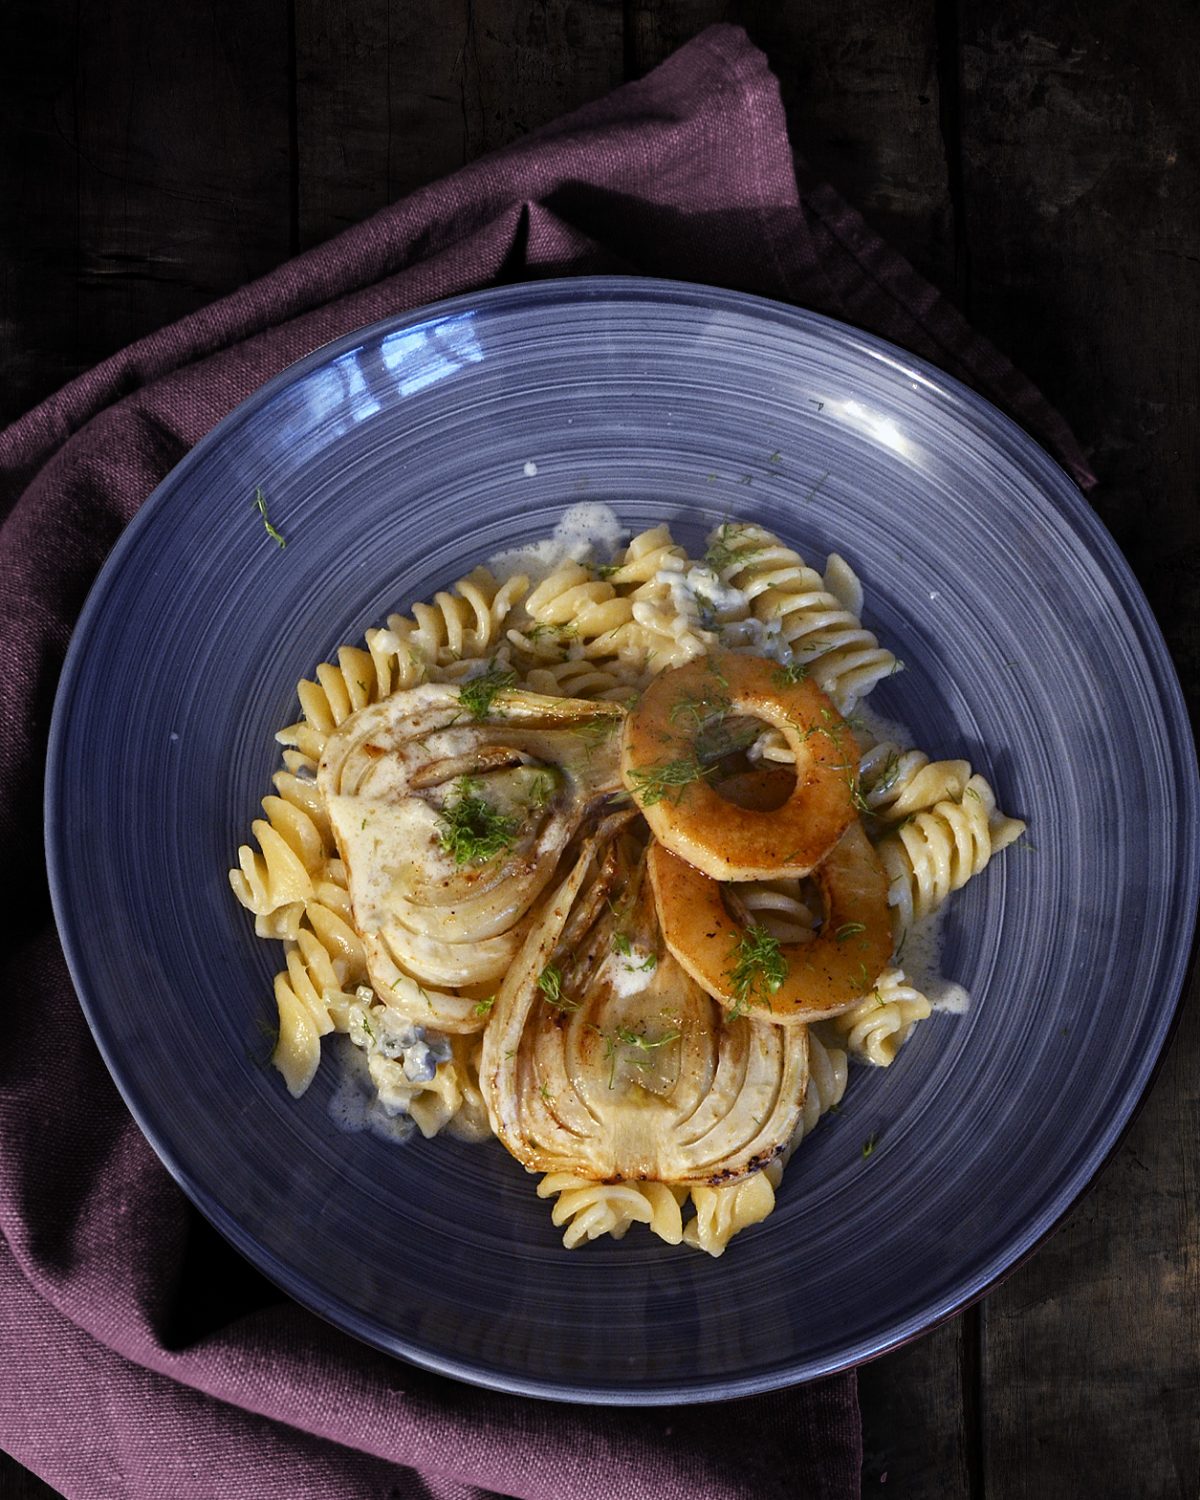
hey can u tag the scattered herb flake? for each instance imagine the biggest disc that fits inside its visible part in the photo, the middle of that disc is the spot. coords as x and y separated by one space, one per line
869 1145
594 732
848 930
642 1042
541 789
483 1007
725 550
699 710
550 982
260 504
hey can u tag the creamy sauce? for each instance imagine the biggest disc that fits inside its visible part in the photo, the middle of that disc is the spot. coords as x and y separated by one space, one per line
355 1105
876 730
922 962
584 532
628 974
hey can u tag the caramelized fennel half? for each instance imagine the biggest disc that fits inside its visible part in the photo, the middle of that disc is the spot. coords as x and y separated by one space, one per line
452 826
602 1057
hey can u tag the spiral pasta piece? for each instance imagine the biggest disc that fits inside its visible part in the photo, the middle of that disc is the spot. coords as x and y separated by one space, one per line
875 1029
470 1121
897 783
937 851
573 597
779 906
577 678
648 554
591 1209
466 621
722 1212
813 625
292 844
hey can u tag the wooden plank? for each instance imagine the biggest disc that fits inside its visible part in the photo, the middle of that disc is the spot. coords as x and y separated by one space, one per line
184 147
38 176
537 62
390 97
919 1433
146 171
860 82
17 1483
357 119
1083 232
1092 1367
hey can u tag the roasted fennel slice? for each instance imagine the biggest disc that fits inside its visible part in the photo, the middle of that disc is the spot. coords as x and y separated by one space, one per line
604 1058
452 816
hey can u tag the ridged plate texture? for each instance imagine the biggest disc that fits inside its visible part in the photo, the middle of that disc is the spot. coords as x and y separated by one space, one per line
395 461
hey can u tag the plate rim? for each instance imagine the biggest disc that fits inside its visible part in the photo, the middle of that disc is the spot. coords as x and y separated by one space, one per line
1056 486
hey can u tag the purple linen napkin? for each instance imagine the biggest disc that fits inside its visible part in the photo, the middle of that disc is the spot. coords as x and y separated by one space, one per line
142 1357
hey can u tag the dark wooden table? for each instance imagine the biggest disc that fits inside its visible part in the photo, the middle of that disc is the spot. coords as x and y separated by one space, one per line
1036 161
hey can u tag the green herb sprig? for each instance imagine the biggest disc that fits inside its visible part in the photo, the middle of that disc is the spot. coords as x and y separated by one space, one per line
758 969
667 780
473 830
724 550
550 982
642 1044
478 695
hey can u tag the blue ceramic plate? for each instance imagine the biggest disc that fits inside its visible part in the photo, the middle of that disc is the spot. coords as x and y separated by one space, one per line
394 461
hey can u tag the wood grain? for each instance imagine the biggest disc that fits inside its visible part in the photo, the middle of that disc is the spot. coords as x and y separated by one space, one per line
39 169
920 1433
1084 221
148 161
390 96
1083 204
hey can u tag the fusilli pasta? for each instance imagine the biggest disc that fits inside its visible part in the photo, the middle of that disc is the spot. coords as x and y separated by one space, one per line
597 633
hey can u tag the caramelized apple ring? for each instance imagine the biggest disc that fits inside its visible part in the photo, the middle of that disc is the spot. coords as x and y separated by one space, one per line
806 981
661 765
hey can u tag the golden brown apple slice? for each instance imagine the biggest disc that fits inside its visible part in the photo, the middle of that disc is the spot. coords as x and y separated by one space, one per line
785 983
678 730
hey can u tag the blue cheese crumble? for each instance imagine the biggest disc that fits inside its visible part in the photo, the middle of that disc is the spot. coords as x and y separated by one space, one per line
402 1057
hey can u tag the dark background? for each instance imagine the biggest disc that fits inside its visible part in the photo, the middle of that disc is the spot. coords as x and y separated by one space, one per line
1038 162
